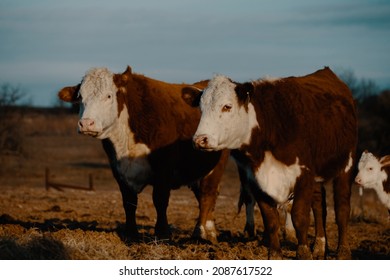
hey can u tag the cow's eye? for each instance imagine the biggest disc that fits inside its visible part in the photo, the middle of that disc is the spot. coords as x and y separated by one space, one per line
370 168
109 96
226 108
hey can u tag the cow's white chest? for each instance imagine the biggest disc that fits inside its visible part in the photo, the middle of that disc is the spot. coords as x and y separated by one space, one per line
276 178
132 157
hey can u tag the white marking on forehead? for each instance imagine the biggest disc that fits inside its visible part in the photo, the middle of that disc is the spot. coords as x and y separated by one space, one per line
218 86
366 158
97 81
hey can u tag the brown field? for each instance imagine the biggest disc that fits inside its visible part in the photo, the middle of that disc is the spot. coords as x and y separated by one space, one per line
36 223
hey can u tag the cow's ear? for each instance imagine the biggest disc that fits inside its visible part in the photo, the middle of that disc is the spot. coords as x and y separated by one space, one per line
70 94
127 71
244 92
123 78
385 160
191 95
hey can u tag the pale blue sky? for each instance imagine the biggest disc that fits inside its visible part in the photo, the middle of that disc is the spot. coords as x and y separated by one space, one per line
48 44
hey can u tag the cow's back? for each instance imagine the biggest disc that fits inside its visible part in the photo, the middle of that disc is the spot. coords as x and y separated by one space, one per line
312 117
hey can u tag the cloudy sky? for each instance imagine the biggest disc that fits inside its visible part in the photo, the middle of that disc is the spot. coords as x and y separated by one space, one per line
48 44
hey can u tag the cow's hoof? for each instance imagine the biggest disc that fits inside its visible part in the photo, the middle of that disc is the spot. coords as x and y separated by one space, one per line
344 253
207 233
128 235
162 232
289 236
319 249
200 234
275 254
303 253
249 231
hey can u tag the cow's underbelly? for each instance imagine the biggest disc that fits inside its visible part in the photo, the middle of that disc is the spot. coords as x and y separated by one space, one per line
171 170
277 179
136 172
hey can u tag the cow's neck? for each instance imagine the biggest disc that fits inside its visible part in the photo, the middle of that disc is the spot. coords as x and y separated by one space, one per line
156 117
123 139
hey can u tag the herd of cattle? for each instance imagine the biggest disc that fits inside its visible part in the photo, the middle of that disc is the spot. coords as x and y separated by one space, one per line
288 136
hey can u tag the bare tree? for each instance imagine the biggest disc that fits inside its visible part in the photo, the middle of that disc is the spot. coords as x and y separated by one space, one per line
373 113
10 136
361 88
10 95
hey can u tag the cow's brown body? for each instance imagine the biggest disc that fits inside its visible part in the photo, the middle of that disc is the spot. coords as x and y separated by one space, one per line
158 120
303 129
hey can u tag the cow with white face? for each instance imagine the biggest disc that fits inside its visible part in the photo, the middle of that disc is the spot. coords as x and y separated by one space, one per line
225 124
146 130
374 173
291 134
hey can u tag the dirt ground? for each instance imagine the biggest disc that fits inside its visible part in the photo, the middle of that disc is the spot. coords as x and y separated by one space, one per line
36 223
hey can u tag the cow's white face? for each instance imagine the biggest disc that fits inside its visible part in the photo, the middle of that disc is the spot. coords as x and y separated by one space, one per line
225 123
98 106
369 170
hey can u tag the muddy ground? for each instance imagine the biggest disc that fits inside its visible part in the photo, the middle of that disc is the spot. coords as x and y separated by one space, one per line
36 223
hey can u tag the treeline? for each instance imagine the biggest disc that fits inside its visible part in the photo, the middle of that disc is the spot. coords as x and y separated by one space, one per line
374 123
373 105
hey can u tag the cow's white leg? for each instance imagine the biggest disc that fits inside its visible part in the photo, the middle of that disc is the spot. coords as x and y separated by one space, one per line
211 231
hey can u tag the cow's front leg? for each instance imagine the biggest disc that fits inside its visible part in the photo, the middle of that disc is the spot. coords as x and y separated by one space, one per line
161 200
129 197
270 215
247 199
300 213
130 200
206 195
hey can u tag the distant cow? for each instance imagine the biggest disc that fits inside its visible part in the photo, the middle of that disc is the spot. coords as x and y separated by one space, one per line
292 133
374 173
147 132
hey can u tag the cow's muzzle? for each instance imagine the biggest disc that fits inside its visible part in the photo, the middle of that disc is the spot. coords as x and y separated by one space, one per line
358 180
87 126
202 142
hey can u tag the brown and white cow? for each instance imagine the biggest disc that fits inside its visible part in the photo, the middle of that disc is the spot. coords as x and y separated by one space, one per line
374 173
146 130
291 134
